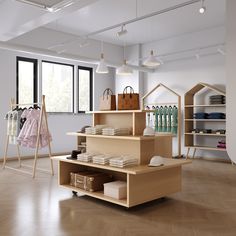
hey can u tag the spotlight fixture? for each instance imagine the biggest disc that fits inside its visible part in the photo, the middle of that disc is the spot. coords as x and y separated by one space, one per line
124 69
151 61
122 32
202 10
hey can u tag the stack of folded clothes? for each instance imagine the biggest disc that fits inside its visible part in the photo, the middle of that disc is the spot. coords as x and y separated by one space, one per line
217 99
216 115
222 144
85 157
95 130
123 161
115 131
202 131
102 159
200 115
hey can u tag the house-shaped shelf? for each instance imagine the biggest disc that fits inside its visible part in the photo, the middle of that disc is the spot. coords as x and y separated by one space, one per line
178 103
190 122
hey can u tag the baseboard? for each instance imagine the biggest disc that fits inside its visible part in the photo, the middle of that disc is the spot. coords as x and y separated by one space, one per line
15 158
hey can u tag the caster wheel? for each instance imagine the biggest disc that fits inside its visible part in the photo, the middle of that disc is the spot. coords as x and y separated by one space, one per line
74 193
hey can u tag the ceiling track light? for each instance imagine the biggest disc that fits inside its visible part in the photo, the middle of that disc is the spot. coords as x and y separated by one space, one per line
151 61
122 32
202 10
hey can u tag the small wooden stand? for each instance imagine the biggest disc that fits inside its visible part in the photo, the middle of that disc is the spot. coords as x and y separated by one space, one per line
43 115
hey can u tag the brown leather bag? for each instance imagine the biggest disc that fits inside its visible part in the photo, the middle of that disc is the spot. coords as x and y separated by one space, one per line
107 101
128 101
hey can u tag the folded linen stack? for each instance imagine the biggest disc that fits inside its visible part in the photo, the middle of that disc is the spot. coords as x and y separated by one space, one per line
115 131
216 115
102 159
85 157
123 161
200 115
222 144
95 130
217 99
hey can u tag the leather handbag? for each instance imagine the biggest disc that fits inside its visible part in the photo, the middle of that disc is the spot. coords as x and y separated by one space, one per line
107 100
128 101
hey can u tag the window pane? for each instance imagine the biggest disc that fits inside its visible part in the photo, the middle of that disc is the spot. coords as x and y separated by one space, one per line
25 82
84 90
57 86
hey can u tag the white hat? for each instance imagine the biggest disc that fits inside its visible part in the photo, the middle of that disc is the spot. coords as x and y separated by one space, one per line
156 161
148 131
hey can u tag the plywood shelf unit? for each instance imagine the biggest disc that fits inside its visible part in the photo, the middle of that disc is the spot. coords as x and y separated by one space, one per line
143 183
177 103
190 123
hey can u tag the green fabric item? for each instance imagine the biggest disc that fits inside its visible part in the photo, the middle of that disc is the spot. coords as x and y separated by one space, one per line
174 117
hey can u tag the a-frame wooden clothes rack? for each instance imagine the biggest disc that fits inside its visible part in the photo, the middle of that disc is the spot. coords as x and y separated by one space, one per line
178 103
43 115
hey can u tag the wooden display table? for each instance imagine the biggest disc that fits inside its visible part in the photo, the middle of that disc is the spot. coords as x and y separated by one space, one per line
143 183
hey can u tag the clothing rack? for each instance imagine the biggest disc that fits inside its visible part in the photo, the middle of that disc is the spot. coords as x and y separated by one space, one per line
43 114
178 104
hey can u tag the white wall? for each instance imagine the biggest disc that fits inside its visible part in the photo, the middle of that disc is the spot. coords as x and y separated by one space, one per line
182 75
59 124
230 79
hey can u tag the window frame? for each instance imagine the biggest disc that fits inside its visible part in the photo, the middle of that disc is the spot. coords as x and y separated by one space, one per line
90 69
73 84
35 77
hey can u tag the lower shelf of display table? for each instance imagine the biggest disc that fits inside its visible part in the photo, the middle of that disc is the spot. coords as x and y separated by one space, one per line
98 195
207 148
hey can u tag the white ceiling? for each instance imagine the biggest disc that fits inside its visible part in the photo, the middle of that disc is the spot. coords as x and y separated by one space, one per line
21 22
105 13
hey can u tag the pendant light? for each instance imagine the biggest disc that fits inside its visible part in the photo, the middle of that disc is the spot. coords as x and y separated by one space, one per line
151 61
124 69
102 66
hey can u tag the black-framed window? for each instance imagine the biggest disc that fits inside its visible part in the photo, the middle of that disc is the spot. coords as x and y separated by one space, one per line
26 80
58 86
85 89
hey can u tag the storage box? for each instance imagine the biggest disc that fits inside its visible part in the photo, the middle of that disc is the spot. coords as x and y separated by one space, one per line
91 181
116 189
72 179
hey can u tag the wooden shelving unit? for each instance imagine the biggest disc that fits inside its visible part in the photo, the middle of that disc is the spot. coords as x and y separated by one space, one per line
143 183
177 103
191 123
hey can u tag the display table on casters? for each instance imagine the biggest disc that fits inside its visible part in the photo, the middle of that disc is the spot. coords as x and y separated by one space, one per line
143 183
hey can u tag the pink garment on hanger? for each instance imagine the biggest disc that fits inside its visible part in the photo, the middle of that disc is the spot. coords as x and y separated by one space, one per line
29 131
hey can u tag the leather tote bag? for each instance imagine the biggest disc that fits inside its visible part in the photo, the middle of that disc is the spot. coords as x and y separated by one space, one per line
128 101
107 101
